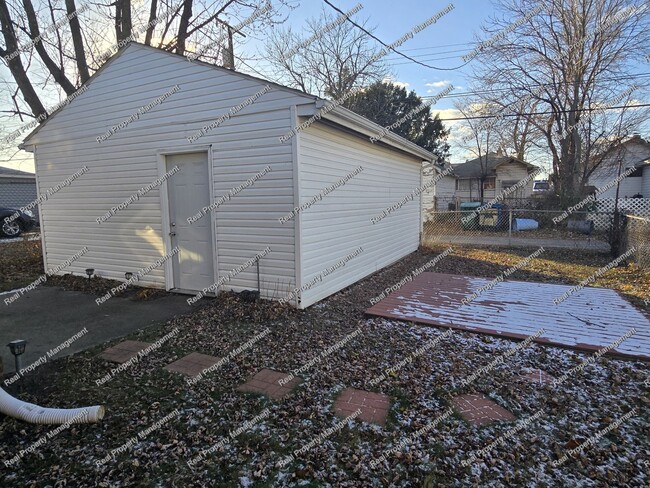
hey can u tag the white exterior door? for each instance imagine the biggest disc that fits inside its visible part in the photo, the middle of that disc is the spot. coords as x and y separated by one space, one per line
189 192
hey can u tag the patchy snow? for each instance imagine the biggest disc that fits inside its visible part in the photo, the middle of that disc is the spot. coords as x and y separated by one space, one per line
591 316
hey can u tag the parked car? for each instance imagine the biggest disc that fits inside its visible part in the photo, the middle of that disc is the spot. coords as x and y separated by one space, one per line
541 186
14 222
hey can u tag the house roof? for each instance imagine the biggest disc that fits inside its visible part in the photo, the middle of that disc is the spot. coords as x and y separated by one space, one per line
636 139
14 173
338 115
474 167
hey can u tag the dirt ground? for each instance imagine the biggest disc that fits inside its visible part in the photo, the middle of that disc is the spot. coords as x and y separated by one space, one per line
212 415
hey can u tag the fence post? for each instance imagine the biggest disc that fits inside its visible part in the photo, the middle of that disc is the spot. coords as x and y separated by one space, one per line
509 226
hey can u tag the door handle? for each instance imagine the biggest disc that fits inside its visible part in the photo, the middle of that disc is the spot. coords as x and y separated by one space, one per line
172 234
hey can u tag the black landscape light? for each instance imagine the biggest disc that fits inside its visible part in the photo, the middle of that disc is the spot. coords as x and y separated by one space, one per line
17 348
128 275
90 272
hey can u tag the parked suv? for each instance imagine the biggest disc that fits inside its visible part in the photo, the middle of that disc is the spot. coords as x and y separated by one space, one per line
14 222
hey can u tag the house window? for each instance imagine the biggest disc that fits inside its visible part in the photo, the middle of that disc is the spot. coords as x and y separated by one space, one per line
463 184
505 184
490 183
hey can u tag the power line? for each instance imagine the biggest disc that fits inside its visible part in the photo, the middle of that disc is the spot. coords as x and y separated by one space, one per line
499 90
597 109
433 54
386 45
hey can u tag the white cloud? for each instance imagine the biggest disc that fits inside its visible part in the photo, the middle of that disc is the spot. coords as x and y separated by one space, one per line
438 84
397 83
459 131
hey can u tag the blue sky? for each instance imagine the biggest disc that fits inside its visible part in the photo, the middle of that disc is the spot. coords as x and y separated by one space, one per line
453 32
441 44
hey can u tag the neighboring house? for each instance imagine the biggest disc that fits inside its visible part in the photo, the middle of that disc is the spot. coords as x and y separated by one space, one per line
242 166
17 188
635 156
462 183
499 174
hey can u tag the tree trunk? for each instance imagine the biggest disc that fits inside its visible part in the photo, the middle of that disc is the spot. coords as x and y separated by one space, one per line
16 65
77 41
152 17
34 32
123 24
183 26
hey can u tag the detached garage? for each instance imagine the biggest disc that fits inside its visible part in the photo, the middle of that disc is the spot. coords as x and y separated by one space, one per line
200 179
17 188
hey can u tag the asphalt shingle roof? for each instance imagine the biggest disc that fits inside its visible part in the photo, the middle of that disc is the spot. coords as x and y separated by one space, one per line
13 172
473 167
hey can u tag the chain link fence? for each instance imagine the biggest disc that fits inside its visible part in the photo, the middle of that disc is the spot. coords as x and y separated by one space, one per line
518 227
637 235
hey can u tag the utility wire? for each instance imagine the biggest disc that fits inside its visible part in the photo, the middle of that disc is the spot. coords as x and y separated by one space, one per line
498 90
597 109
388 46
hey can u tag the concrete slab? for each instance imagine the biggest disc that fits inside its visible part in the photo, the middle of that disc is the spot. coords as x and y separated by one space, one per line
193 364
124 351
47 317
586 319
479 410
273 384
518 241
374 406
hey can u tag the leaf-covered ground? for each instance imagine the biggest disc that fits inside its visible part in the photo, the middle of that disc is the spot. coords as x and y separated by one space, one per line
137 398
21 262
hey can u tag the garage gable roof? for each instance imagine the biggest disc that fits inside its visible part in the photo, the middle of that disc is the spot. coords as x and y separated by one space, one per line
338 115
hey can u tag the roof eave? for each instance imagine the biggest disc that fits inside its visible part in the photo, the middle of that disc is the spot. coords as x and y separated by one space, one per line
347 118
18 177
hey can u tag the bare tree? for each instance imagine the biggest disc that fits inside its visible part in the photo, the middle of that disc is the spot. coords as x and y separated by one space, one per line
483 136
329 58
54 48
571 57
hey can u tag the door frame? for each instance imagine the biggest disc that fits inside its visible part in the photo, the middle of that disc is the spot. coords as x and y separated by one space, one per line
161 156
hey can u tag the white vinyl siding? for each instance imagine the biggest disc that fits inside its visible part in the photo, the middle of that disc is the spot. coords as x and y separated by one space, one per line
128 160
645 188
248 223
510 174
632 155
341 222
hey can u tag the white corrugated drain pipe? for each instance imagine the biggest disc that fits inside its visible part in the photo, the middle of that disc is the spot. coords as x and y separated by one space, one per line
34 414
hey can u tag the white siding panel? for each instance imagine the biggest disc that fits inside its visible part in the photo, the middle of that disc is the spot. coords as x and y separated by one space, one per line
340 223
128 160
645 188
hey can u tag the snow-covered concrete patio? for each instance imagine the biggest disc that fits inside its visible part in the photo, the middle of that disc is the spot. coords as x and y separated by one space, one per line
581 318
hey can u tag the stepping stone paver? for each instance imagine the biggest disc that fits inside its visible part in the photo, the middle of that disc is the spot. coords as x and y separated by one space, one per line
267 382
374 406
480 410
192 364
538 376
122 352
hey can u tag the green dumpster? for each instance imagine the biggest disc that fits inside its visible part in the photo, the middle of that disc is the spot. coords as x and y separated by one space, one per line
469 215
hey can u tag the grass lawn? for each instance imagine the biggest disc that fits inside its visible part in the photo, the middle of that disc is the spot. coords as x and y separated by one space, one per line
210 413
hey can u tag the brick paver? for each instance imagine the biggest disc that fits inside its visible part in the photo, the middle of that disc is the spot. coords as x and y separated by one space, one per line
374 406
122 352
480 410
268 382
538 376
192 364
